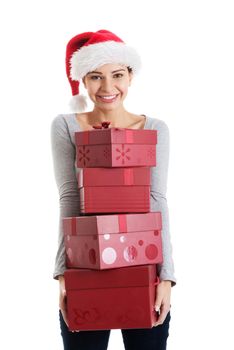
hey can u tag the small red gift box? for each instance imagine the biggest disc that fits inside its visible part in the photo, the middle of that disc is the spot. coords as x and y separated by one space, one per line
110 299
110 241
108 190
115 147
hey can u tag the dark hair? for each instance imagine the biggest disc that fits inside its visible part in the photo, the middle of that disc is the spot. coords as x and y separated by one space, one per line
129 69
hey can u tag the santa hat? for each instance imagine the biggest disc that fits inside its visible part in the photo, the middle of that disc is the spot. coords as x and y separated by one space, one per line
87 51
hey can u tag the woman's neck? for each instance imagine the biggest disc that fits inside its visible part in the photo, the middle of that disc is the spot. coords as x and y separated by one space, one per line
116 117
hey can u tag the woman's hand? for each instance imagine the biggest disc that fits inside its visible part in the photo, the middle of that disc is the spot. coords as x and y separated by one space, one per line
63 299
162 303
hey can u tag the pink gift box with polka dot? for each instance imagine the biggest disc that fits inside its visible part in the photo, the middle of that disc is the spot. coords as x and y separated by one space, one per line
115 147
111 241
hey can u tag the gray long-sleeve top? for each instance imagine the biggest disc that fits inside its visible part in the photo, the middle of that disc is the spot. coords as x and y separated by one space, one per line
63 128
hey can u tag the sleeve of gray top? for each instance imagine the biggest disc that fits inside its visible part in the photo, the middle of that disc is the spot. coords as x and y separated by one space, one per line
63 153
158 200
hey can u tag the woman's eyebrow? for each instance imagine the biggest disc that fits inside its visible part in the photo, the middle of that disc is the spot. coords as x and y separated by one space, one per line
114 71
118 70
94 72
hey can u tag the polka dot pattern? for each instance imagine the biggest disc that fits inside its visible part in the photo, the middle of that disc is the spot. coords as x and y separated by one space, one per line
114 250
130 253
151 251
109 255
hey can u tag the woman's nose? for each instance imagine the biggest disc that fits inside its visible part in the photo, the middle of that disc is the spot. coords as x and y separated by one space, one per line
107 85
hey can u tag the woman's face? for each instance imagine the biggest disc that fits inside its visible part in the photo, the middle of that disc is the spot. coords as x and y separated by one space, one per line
107 85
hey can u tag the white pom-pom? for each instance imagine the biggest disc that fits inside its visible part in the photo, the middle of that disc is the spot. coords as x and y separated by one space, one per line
78 103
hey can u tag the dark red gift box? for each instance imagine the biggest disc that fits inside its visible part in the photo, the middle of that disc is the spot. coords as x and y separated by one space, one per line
110 241
110 299
108 190
115 147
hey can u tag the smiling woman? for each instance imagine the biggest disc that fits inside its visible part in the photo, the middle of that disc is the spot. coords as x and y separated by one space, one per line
108 86
106 67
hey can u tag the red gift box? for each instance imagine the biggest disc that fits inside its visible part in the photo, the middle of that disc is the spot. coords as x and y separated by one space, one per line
120 298
115 147
108 190
111 241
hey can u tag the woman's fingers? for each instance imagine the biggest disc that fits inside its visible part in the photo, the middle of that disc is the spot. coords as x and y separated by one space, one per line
63 305
162 314
162 302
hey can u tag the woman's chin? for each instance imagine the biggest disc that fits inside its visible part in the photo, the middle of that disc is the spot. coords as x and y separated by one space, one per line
109 107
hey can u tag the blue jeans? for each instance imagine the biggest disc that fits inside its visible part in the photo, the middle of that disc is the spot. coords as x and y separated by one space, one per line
134 339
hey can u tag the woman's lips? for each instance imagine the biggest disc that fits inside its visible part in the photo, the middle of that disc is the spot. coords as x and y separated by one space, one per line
107 98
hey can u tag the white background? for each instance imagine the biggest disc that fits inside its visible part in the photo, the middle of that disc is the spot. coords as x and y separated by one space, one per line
188 81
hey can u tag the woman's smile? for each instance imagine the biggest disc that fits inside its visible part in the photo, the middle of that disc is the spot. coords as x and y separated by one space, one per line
107 98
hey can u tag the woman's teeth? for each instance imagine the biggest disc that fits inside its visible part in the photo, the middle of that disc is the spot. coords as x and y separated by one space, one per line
108 98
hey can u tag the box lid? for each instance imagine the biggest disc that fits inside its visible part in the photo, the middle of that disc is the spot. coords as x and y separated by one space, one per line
113 176
115 135
112 223
133 276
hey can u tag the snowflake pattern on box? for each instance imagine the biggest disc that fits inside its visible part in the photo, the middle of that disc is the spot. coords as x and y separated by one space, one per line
106 152
83 152
123 153
151 153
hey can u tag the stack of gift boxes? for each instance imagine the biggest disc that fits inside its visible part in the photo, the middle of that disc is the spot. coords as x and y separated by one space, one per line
112 249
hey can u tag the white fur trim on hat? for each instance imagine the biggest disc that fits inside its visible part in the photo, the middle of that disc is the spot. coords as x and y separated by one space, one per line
78 103
88 58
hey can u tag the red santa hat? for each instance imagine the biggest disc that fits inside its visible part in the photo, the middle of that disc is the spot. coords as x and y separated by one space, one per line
87 51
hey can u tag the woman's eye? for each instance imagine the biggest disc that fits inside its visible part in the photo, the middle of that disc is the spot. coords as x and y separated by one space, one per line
95 77
118 75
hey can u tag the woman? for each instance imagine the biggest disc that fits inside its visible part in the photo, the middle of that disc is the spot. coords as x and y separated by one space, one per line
106 65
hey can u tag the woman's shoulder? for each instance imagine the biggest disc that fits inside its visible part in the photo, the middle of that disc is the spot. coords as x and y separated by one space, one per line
60 120
65 122
163 136
156 123
63 125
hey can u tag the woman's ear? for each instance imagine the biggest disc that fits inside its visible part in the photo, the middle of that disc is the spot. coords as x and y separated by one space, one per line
130 78
83 80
